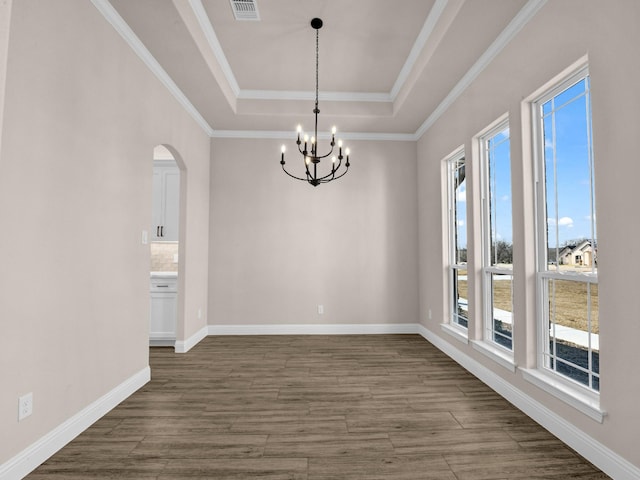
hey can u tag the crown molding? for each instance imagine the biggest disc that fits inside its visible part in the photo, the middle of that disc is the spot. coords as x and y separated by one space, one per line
421 40
212 39
287 135
118 23
367 97
209 32
517 23
530 9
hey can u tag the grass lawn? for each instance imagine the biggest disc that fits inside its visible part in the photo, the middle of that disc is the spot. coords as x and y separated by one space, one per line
571 301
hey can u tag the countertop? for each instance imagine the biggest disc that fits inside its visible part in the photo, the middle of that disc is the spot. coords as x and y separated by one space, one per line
164 274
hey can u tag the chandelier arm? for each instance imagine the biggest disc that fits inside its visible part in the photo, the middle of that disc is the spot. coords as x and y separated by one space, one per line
293 176
322 180
320 157
332 174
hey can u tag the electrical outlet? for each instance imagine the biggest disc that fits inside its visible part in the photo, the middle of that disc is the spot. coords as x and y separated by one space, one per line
199 313
320 309
145 237
429 314
25 406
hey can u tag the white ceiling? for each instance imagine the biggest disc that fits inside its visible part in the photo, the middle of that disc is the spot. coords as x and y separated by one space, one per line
388 68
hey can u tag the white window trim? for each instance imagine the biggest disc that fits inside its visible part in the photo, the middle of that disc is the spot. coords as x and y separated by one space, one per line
489 347
457 329
563 387
495 352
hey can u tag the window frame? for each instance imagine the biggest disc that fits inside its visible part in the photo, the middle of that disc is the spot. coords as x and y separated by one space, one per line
453 267
558 381
488 268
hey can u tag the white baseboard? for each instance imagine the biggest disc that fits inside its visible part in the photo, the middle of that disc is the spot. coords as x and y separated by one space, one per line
605 459
314 329
29 459
160 342
186 345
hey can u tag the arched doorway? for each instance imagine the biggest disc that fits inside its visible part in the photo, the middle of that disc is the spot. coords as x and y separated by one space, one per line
165 322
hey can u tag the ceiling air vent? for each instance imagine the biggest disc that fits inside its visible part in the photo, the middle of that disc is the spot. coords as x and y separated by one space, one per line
245 9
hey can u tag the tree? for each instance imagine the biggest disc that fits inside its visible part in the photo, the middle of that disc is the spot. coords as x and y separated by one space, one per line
502 252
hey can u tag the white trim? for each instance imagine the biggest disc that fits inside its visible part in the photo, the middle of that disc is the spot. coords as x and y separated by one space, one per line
520 20
288 135
496 354
604 458
183 346
587 403
118 23
421 40
515 25
214 44
37 453
369 97
162 342
456 332
315 329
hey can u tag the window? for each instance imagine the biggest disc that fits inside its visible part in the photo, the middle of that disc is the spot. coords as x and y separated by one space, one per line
497 258
457 216
567 241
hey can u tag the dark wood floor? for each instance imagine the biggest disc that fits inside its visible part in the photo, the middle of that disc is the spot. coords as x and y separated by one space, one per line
314 407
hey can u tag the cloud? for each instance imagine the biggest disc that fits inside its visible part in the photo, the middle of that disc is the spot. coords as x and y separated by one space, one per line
461 194
562 222
461 223
504 198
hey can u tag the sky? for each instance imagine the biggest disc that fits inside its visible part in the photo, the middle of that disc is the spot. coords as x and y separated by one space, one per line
567 173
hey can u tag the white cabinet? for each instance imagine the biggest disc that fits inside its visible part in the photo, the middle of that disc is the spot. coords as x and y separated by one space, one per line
164 311
166 201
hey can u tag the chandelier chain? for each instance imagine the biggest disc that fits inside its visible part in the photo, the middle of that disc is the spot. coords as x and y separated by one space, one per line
317 56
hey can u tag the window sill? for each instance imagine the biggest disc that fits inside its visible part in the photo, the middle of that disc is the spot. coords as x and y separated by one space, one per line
496 354
458 333
586 402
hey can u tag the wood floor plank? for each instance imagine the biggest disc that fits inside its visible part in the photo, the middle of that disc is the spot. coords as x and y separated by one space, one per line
379 407
327 445
405 467
281 468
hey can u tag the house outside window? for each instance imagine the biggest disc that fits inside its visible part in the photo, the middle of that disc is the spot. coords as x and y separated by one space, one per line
457 223
567 279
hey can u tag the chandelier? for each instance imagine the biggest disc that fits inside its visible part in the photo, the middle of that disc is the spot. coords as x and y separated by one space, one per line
313 173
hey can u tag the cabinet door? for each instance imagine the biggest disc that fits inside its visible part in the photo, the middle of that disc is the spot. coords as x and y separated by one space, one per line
171 205
157 208
166 202
164 311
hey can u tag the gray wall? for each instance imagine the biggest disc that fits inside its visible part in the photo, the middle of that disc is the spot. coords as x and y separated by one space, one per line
82 115
280 247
